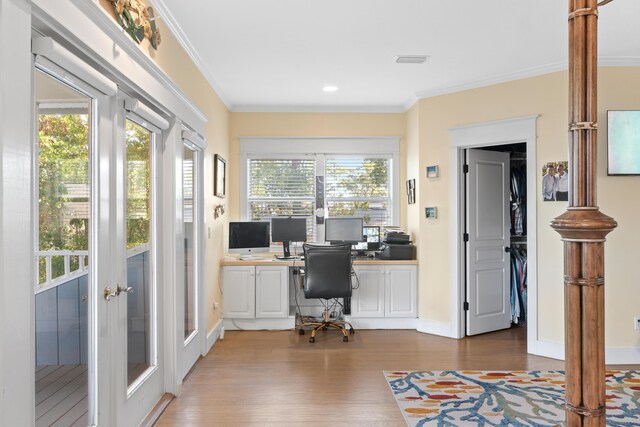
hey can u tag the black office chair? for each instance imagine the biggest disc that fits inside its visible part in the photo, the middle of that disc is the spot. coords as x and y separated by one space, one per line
327 276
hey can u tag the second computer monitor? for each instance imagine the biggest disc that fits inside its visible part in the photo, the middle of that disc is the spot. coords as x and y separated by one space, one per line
288 229
343 230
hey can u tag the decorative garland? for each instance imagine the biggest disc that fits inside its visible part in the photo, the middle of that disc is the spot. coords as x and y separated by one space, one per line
137 20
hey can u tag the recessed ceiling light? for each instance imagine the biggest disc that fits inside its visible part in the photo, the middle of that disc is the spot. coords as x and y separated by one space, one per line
411 59
330 88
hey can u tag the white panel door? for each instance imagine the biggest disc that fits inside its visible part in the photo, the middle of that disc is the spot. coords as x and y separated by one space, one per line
272 297
367 299
488 224
401 289
239 292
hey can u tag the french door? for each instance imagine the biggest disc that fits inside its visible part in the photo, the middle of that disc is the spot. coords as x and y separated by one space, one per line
188 278
139 377
98 329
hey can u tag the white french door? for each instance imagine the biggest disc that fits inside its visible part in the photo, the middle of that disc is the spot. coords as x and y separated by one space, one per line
98 327
139 373
188 255
72 246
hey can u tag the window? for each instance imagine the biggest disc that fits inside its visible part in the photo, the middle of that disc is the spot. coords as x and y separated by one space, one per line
360 179
359 187
281 187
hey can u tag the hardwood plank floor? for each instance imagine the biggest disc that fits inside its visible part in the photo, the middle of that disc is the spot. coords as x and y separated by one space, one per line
278 378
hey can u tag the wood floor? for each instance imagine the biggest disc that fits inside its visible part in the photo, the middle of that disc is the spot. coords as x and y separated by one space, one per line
263 378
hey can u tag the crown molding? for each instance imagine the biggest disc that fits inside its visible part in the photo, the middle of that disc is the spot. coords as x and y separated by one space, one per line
502 78
319 109
176 29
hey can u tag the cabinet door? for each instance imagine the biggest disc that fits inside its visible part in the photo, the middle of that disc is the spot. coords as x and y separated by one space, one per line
368 299
238 287
272 296
401 291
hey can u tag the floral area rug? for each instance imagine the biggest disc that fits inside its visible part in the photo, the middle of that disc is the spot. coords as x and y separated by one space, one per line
503 398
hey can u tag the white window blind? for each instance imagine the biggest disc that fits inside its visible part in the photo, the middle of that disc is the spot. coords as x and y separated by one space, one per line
359 187
281 187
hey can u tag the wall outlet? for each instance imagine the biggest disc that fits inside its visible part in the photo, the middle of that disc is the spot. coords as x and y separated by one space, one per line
215 306
636 323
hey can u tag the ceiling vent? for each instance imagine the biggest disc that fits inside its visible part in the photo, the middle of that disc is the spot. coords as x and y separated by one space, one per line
411 59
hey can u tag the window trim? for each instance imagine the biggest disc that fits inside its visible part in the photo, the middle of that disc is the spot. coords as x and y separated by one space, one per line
320 149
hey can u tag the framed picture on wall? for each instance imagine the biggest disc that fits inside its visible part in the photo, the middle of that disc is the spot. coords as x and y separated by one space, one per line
411 191
219 176
623 142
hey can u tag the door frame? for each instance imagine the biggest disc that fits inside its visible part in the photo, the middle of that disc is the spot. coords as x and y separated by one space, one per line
499 132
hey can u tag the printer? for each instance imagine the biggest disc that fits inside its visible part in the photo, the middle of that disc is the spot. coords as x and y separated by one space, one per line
396 245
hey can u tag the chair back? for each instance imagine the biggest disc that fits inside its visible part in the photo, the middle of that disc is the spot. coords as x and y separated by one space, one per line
327 271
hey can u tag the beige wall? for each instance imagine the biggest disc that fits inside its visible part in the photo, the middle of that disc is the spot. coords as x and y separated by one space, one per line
175 62
309 125
546 96
413 171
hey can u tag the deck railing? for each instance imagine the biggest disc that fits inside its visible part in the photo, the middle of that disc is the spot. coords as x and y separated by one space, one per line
68 274
81 267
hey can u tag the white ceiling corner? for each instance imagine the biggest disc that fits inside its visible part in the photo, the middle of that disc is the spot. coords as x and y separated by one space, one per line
275 56
165 15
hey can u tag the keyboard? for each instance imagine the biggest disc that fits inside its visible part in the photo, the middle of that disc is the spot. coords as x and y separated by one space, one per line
290 258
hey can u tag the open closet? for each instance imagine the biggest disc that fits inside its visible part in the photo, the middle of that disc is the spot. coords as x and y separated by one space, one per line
495 237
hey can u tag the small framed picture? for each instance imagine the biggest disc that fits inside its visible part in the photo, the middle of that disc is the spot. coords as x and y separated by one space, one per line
431 213
433 171
411 191
219 176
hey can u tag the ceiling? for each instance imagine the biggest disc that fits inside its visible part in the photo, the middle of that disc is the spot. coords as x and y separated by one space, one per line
277 55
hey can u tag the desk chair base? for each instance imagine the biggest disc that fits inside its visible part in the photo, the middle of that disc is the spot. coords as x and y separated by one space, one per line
324 325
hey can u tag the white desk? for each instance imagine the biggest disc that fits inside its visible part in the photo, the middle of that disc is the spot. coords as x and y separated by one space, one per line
261 294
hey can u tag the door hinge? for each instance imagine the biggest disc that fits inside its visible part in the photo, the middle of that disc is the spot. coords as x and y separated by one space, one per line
465 168
465 237
465 306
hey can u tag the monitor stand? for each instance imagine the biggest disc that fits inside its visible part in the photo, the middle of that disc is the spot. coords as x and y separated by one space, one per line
287 252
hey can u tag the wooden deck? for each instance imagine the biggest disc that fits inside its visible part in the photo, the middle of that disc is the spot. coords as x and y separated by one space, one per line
61 395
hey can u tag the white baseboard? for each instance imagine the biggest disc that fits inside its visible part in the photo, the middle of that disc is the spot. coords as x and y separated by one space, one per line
612 355
546 349
622 355
213 336
434 328
382 323
259 324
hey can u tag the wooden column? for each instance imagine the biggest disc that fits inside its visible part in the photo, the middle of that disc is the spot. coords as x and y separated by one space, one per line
583 229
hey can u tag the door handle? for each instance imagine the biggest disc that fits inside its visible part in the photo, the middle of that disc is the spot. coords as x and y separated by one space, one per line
108 294
127 290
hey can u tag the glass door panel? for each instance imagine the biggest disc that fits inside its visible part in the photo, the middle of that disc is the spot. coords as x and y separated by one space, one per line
190 300
140 290
64 121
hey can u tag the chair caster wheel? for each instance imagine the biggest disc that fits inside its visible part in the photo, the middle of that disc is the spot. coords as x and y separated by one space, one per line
301 332
352 331
345 339
325 328
312 339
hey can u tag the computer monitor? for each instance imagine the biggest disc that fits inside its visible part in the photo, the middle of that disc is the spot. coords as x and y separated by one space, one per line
249 237
371 236
343 230
288 229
